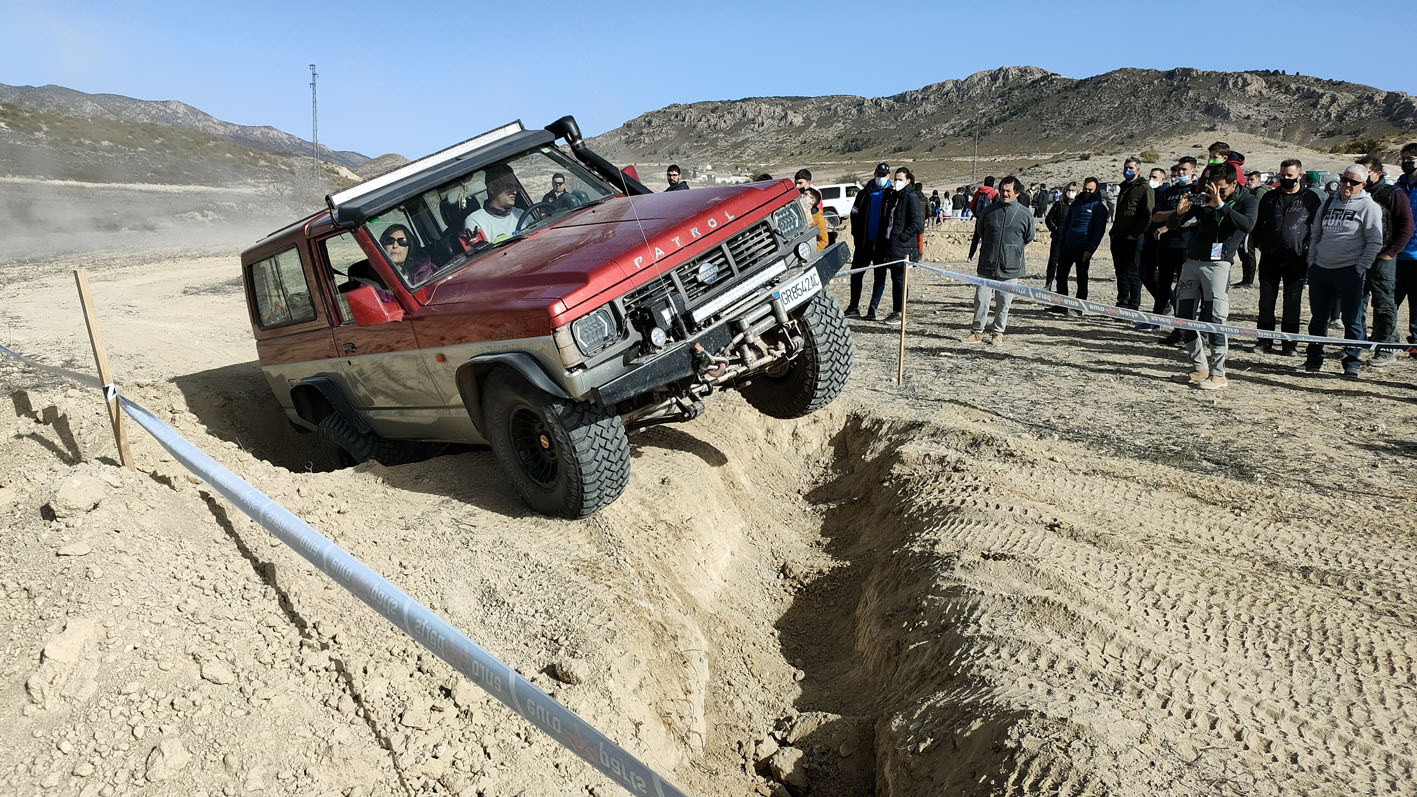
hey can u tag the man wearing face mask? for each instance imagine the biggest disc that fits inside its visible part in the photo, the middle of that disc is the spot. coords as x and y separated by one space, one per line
1405 268
867 225
1223 221
1054 222
1083 228
1282 235
1149 268
1172 241
1344 240
904 224
1381 278
1135 202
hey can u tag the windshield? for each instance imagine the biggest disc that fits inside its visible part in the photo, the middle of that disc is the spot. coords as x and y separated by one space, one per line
442 228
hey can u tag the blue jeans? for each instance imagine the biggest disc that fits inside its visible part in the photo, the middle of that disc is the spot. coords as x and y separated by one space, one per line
1331 288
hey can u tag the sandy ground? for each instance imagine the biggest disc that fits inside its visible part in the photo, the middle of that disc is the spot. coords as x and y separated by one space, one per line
1035 568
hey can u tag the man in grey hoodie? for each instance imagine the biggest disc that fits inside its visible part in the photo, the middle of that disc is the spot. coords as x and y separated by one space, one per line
1005 228
1344 239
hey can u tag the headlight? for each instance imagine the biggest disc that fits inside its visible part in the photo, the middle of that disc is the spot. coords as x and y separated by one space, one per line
789 220
595 331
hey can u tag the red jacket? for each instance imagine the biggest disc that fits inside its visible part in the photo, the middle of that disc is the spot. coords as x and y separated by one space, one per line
987 192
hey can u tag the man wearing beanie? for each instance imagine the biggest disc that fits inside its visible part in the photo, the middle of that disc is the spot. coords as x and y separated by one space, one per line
1344 240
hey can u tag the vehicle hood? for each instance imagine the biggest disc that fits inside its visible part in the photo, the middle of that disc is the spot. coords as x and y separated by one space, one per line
625 239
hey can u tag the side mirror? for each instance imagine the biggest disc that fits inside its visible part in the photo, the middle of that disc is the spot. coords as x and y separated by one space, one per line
630 170
369 310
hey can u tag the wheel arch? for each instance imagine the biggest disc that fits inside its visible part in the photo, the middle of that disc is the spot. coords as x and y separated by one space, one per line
318 396
472 375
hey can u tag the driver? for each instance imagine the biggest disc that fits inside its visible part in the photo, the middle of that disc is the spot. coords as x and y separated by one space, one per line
499 215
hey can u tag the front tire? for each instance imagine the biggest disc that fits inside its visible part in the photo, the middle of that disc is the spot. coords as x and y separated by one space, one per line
564 458
353 446
820 371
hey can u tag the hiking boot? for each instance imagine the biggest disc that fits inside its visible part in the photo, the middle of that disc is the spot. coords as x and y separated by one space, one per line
1265 346
1313 366
1171 340
1288 350
973 337
870 316
1381 359
996 338
1217 382
1350 371
1193 378
892 320
852 312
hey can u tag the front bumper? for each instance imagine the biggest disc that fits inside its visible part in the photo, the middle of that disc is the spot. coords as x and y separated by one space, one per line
678 363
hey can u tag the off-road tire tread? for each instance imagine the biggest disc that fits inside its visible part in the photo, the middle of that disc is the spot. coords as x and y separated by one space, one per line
594 435
819 373
364 446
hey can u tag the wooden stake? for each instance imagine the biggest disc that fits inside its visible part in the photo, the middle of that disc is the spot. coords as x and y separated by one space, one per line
105 377
904 303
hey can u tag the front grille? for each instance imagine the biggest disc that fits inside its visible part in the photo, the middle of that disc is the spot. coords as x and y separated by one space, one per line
742 254
751 247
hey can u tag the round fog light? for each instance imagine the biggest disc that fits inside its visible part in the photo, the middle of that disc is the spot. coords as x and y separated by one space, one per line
657 337
804 250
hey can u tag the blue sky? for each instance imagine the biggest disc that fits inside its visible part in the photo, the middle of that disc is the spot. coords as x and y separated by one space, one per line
414 77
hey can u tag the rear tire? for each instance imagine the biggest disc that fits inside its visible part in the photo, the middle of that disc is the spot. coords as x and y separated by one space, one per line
564 458
820 371
353 446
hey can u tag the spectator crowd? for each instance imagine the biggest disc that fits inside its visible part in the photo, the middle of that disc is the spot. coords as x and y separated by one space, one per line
1174 235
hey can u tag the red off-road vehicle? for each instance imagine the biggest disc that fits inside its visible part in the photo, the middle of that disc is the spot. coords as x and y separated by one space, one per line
506 292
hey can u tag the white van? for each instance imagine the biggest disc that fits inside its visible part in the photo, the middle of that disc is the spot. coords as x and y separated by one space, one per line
837 199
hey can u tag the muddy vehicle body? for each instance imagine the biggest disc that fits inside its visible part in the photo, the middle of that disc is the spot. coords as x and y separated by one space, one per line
507 292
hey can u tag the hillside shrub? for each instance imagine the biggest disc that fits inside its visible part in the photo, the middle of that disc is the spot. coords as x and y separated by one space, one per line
1150 155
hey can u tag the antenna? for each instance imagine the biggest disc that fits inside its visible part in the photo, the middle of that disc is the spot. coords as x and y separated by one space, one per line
314 120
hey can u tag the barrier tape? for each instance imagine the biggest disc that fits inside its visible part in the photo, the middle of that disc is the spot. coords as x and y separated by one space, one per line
1137 316
408 615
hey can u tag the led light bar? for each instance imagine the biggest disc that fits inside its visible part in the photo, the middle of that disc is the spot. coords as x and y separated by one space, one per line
441 156
698 314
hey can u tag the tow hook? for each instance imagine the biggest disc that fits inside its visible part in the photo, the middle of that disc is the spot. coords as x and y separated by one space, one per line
707 364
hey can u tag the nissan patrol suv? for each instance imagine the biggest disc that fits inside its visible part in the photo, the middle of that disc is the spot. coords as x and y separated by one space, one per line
509 292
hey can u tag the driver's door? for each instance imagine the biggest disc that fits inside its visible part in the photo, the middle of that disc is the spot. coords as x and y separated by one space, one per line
383 373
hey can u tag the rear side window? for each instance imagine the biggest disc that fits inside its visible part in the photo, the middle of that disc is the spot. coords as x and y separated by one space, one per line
852 190
831 193
281 292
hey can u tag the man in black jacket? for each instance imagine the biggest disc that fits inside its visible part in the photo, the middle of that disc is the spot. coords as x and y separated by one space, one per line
1381 282
902 228
1135 203
1227 215
1054 222
868 212
1282 236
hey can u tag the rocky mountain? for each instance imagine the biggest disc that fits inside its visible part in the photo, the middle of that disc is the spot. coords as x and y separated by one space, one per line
170 113
1017 110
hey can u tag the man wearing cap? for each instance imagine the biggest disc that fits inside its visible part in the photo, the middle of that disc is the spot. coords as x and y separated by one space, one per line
868 231
1344 240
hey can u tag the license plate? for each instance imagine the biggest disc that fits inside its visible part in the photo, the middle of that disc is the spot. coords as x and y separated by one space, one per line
799 290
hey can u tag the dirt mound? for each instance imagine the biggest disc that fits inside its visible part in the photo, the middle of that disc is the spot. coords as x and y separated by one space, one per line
998 578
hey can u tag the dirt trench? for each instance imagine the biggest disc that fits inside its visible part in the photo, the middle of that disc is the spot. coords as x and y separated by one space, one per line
851 603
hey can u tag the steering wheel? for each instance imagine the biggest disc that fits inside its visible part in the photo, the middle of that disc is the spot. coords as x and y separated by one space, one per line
530 216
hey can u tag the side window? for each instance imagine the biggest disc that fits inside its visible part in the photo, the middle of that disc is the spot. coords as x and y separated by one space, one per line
852 191
281 292
831 193
351 269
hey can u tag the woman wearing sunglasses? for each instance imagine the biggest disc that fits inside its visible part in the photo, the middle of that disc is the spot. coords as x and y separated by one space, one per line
405 254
